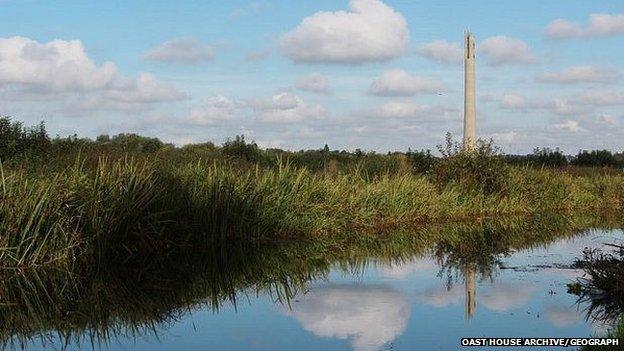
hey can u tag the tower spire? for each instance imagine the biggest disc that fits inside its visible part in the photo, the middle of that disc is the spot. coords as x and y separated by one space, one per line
470 109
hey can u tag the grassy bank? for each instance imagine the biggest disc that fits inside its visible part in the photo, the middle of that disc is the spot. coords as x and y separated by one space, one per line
119 208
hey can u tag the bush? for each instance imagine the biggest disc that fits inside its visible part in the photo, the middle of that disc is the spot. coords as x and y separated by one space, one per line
600 158
423 162
548 157
17 140
239 148
481 169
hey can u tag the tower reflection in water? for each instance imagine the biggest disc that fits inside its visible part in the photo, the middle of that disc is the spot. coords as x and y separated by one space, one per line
471 291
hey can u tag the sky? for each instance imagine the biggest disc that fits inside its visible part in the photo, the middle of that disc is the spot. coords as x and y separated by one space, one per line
369 74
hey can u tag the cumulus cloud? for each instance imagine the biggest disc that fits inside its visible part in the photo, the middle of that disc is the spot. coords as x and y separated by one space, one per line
401 109
569 125
501 50
557 106
181 50
442 51
564 107
581 74
504 137
411 110
286 107
370 31
215 109
369 317
61 70
513 101
314 82
58 65
599 25
397 82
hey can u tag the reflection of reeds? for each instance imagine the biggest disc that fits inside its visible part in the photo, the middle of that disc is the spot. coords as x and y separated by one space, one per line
601 289
144 294
602 286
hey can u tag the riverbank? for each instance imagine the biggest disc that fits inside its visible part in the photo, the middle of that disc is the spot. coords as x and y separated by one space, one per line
123 207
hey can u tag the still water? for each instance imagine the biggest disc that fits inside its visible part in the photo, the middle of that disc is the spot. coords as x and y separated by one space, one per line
424 302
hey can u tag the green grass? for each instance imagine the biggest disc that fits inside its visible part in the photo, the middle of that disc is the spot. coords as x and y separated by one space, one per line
115 209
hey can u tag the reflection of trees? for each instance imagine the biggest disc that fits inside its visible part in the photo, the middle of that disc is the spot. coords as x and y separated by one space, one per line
146 294
474 253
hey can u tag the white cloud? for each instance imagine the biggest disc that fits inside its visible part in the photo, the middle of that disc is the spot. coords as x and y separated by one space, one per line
58 66
581 74
442 51
286 107
216 109
513 101
401 109
564 107
501 50
599 25
62 71
411 110
369 317
557 106
569 125
181 50
370 31
504 137
397 82
314 82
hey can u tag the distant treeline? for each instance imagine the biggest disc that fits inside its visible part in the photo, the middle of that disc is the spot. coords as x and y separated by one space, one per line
18 142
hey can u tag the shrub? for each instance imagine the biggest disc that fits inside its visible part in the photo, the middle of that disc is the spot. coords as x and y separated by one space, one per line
17 140
423 162
239 148
481 169
600 158
548 157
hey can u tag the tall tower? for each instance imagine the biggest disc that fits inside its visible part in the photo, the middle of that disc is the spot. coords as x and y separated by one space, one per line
470 109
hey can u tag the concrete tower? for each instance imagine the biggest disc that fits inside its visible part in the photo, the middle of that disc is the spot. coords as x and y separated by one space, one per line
470 109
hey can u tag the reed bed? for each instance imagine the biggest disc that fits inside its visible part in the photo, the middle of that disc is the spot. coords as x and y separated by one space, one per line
123 207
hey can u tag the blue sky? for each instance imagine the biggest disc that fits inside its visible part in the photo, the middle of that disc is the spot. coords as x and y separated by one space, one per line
353 74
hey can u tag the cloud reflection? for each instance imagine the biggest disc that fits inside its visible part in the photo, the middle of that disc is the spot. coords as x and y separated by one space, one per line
563 316
402 270
507 296
369 316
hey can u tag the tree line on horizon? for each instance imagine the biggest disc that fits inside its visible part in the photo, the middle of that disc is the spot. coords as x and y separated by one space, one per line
21 142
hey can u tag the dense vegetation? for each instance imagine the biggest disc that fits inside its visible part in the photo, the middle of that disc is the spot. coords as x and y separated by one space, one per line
68 200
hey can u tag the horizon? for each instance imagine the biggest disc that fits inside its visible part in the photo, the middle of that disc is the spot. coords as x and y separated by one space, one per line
362 74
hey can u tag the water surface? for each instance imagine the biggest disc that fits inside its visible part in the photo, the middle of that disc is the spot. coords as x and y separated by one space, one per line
426 301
